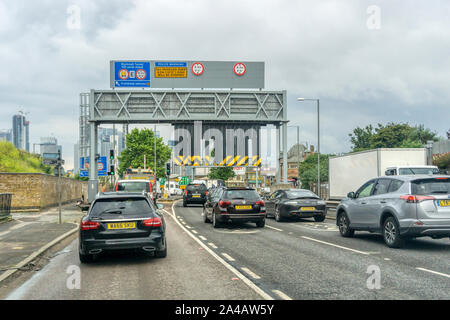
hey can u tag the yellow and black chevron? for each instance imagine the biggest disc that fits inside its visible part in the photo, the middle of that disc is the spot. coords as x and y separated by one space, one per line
228 161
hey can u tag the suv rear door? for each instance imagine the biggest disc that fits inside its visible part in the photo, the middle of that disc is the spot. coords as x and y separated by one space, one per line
433 199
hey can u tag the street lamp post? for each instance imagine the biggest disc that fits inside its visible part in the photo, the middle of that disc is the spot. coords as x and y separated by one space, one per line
318 141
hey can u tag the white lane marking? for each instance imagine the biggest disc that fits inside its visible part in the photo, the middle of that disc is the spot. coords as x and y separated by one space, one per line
202 237
387 259
250 273
434 272
188 227
4 232
273 228
212 245
246 280
229 258
282 295
335 245
193 231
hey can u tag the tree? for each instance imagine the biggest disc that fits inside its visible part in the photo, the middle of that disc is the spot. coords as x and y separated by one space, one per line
442 161
224 173
392 135
308 169
140 143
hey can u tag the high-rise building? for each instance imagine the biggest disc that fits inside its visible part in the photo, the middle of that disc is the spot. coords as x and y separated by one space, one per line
21 132
49 145
6 135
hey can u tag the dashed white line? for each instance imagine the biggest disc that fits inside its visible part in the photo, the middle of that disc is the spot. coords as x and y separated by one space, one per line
188 227
273 228
229 258
202 237
193 231
282 295
434 272
250 273
335 245
212 245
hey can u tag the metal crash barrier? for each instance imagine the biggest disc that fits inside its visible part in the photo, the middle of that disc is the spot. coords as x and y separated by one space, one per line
5 205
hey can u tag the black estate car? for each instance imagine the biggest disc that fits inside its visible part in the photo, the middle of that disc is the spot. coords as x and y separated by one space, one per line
122 220
195 193
234 204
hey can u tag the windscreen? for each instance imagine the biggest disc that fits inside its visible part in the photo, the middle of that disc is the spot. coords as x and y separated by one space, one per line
406 171
196 188
136 186
431 186
298 194
122 206
241 194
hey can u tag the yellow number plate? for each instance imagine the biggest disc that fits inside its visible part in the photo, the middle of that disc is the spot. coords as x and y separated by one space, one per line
307 208
122 225
195 196
243 207
444 203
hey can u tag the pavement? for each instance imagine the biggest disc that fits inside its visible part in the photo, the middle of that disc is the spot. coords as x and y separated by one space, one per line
28 234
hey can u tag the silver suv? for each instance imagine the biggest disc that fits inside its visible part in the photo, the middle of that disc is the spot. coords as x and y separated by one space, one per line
399 207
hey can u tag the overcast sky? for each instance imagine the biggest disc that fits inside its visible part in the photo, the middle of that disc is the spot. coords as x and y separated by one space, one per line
365 70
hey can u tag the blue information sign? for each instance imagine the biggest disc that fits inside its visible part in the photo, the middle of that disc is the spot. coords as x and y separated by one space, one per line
101 165
131 74
170 64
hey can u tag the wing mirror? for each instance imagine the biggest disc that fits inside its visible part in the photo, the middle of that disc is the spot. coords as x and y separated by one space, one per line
351 195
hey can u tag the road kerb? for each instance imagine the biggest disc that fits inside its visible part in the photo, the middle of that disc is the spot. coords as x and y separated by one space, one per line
36 253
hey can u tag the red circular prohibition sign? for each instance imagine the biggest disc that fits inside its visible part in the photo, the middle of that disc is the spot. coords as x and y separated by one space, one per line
240 70
195 68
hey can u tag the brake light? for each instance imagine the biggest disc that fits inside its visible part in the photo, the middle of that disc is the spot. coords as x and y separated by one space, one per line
416 199
152 222
185 192
261 203
206 193
117 186
89 225
224 204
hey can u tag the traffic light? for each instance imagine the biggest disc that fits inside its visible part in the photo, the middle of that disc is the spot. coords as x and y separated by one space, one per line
111 154
111 170
168 169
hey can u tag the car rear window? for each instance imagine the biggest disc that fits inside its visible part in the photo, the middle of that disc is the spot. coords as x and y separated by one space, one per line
123 206
301 194
407 171
196 187
133 186
431 186
241 194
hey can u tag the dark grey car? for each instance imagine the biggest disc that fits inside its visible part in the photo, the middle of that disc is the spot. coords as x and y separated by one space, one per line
398 207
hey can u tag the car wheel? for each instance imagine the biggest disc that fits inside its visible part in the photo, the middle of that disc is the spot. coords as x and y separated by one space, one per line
86 258
319 218
344 226
278 217
391 233
261 224
215 223
205 217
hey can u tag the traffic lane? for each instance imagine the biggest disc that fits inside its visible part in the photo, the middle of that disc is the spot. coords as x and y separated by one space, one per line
305 269
433 254
186 273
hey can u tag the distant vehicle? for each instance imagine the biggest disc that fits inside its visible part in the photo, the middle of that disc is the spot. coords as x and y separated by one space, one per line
298 203
138 185
120 220
405 170
195 193
234 204
399 207
173 188
349 171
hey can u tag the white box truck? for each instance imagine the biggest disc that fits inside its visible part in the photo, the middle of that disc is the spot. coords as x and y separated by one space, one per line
348 172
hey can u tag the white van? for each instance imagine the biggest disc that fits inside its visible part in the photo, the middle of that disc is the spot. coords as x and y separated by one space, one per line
173 188
408 170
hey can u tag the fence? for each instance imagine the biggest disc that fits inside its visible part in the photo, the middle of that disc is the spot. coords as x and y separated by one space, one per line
5 205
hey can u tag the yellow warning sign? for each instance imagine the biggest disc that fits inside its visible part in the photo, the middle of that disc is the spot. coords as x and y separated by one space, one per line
170 72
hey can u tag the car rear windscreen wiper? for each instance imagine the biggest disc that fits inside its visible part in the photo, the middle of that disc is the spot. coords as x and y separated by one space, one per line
112 211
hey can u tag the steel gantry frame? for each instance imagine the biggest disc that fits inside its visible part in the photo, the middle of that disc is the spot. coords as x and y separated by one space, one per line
259 107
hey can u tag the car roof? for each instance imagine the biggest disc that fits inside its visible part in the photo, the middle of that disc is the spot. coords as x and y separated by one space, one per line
410 177
418 166
120 194
239 188
133 180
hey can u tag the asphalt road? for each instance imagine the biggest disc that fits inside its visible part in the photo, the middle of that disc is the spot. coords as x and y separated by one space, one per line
289 260
308 260
188 272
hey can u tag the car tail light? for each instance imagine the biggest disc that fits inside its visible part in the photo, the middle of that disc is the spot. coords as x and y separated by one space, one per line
89 225
152 222
117 186
206 193
224 204
416 199
185 192
261 203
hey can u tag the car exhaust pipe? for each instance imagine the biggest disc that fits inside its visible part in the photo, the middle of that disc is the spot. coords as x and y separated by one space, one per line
95 251
149 249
